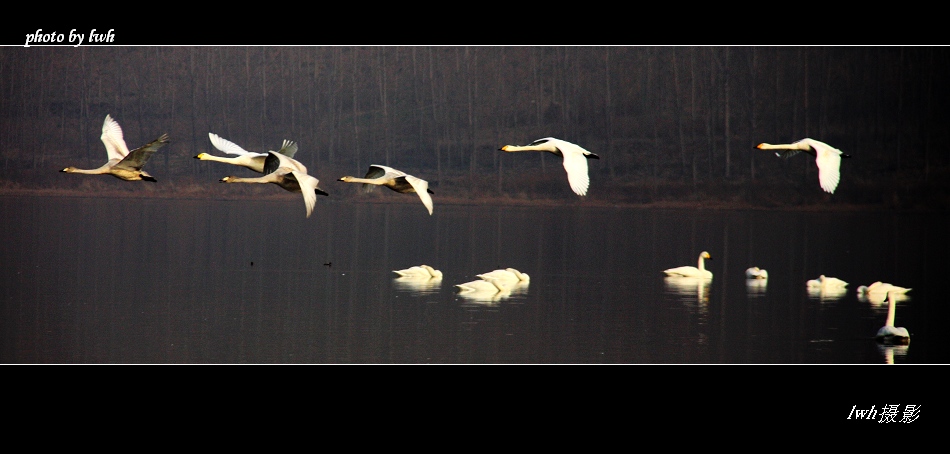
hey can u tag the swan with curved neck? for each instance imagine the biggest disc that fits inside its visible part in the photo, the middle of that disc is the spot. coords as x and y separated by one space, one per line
574 159
827 158
890 334
693 271
397 180
122 164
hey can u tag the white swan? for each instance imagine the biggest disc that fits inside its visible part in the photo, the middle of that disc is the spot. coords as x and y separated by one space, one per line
890 334
574 156
123 164
882 287
289 174
825 282
396 180
419 271
827 158
251 160
508 275
756 273
483 286
693 271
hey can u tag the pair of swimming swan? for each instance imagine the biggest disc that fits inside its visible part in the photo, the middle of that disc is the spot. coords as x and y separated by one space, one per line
574 159
698 271
827 158
122 163
756 273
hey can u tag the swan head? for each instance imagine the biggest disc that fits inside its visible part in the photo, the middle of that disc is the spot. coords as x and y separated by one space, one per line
346 179
705 255
229 179
863 289
69 169
201 155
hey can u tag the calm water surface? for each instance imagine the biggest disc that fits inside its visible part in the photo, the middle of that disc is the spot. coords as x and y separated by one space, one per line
95 280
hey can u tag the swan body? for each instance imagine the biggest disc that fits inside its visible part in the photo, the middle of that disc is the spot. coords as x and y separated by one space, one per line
483 286
396 180
693 271
289 174
882 288
123 164
574 158
756 273
252 160
419 271
890 334
825 282
827 158
509 275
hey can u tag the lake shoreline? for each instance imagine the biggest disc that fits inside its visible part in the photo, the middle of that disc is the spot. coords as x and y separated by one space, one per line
501 201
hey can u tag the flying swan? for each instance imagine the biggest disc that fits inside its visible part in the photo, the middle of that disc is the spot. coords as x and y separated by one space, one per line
827 157
122 163
396 180
574 156
288 173
889 334
243 158
693 271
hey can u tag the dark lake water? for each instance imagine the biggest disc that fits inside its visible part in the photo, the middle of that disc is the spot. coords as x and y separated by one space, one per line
97 280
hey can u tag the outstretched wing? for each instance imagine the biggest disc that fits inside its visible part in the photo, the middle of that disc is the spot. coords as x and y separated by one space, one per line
308 187
113 139
137 157
230 147
289 148
422 188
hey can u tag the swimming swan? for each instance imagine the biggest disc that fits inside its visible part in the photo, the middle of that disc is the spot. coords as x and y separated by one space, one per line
122 164
419 271
693 271
889 334
244 158
288 173
827 157
756 273
825 282
483 286
509 275
396 180
882 288
574 156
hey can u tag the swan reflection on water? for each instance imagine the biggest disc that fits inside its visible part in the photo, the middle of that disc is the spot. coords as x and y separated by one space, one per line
890 351
827 293
419 285
756 287
695 289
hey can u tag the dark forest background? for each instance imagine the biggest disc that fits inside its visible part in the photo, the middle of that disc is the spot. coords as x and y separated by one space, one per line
670 123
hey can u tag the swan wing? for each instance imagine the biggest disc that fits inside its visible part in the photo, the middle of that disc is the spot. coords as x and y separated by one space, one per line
576 166
308 187
229 147
113 139
289 148
137 157
829 164
275 160
422 188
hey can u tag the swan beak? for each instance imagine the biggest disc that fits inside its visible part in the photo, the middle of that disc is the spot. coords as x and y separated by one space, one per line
504 148
759 146
199 155
224 180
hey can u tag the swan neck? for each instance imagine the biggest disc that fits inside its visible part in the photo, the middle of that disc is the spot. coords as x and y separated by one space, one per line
891 309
